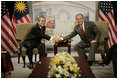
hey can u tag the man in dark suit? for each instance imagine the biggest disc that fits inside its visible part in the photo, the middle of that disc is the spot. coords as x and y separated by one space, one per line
90 36
34 40
111 55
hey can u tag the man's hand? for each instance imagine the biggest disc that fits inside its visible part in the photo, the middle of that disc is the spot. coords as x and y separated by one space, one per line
101 61
93 41
43 40
57 38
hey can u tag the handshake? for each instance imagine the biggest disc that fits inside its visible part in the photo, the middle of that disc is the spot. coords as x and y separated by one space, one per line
57 38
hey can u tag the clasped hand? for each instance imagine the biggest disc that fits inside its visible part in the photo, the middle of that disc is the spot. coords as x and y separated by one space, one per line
56 38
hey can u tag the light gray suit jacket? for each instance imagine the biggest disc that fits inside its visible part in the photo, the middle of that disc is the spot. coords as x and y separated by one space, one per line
91 32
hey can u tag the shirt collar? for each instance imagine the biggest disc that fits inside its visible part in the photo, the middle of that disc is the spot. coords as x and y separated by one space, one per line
40 27
82 24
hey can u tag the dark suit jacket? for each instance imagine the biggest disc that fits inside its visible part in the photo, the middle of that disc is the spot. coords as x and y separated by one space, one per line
91 32
36 34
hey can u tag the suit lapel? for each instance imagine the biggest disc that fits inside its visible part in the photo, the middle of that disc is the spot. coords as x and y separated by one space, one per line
80 32
85 25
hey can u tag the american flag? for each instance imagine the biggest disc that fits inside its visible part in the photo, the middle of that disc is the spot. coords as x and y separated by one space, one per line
8 39
106 14
21 13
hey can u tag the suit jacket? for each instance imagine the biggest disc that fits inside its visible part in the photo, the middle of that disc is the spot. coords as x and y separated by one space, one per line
36 34
91 32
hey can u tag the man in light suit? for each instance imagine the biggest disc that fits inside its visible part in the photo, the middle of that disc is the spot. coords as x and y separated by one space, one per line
90 36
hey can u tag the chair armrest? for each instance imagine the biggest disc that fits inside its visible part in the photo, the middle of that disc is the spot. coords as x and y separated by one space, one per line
18 40
106 45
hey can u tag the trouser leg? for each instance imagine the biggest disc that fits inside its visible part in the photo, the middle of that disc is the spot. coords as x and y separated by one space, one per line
41 48
93 48
30 55
29 52
79 47
114 61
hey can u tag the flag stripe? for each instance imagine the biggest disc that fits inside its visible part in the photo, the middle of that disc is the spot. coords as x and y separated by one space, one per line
8 28
10 42
8 39
14 29
28 16
21 20
7 43
8 36
111 24
24 19
18 21
112 14
112 32
14 19
3 48
111 37
111 27
106 14
27 19
101 18
6 47
8 23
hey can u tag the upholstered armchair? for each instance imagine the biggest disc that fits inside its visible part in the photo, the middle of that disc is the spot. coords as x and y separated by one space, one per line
103 27
21 32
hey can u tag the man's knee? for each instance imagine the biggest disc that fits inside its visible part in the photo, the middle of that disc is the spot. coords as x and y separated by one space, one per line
27 45
77 46
41 46
94 45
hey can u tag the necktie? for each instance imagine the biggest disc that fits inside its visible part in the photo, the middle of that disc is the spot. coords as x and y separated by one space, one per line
82 30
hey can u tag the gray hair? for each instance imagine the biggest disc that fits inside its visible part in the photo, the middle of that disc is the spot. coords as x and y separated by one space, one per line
78 15
41 17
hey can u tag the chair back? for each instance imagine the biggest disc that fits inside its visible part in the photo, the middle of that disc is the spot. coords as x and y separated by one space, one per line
22 30
103 27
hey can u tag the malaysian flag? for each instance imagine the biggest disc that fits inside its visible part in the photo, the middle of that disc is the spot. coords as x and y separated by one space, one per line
8 39
21 13
106 13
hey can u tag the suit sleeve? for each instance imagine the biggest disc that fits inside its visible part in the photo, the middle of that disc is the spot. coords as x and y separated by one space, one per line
42 34
71 35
